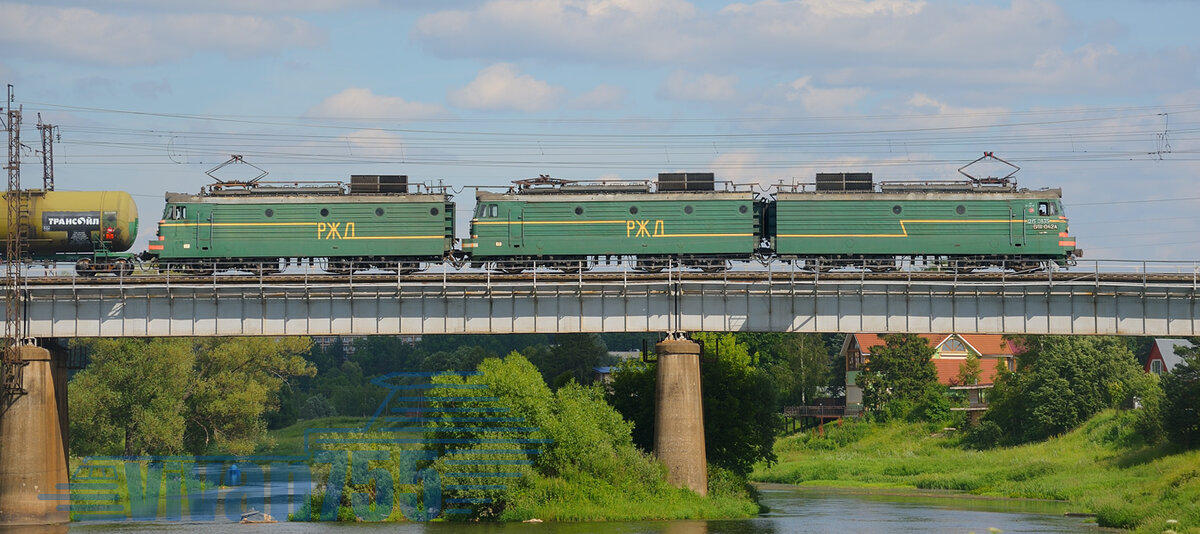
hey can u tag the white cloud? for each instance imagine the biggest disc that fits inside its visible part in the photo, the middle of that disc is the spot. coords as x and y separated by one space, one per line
85 35
776 32
602 30
820 101
361 103
222 6
704 88
1023 46
933 108
373 143
601 97
503 87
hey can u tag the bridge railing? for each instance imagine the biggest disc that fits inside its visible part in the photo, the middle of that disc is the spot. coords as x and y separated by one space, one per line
821 412
235 272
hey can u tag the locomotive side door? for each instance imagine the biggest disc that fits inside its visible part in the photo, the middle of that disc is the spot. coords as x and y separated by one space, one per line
1016 223
516 225
204 229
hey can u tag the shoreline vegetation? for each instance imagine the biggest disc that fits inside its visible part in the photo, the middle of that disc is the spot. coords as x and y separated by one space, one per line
585 466
1102 468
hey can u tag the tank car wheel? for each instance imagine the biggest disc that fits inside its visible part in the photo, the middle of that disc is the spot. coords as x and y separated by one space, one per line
122 267
83 267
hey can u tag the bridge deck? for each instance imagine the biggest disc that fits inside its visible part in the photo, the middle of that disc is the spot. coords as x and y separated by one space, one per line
1063 302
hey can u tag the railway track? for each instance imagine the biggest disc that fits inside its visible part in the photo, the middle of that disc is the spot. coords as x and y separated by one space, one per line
740 277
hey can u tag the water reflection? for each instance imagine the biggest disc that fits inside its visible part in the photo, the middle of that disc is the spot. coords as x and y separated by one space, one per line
792 510
686 527
34 529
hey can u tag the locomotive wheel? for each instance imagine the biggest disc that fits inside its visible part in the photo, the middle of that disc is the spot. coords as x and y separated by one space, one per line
819 265
405 267
509 268
651 266
880 266
342 267
572 267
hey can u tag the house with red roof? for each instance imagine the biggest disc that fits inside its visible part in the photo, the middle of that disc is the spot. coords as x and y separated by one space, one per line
1163 358
951 352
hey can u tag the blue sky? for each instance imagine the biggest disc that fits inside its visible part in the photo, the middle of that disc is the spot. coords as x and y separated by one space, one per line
1097 97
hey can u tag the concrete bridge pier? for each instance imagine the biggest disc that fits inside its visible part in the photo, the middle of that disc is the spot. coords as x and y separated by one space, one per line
679 415
33 443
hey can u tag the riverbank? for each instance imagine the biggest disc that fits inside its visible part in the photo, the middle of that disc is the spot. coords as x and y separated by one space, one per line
1100 468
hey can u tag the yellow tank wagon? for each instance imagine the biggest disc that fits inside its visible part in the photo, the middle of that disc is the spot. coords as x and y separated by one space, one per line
92 228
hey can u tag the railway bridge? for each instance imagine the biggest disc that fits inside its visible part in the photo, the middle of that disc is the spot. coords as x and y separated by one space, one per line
1097 298
1121 298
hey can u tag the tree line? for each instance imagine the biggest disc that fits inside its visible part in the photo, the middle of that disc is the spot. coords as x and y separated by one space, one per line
222 395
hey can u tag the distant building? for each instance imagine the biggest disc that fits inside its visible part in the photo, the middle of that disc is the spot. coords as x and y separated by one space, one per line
951 351
1162 358
602 375
622 355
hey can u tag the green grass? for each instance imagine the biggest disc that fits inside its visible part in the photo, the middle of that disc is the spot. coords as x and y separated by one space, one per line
289 441
1099 468
585 498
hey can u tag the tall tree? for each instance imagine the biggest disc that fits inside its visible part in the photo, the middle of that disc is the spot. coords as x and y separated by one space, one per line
897 375
741 405
800 367
969 371
129 400
1181 388
236 380
159 396
573 356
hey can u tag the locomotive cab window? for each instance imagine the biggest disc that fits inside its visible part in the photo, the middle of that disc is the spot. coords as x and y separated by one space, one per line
178 213
1047 208
493 210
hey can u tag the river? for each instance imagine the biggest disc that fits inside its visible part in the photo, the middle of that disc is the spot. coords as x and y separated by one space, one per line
792 510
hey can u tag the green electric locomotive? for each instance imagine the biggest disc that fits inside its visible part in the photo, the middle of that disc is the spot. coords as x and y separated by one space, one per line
969 224
571 225
374 223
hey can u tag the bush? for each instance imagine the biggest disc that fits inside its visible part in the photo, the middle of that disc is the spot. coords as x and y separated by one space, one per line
316 407
1063 381
586 466
985 435
933 405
